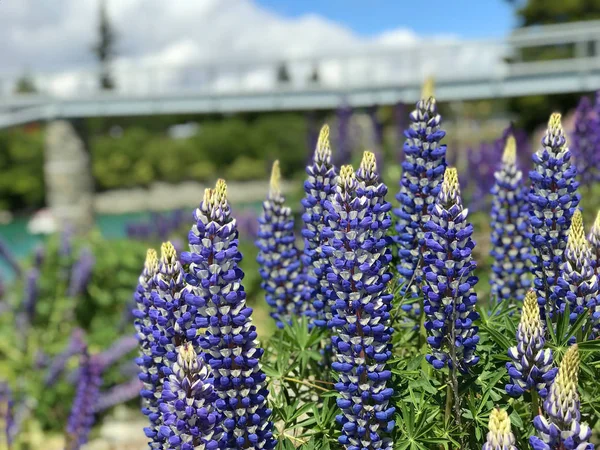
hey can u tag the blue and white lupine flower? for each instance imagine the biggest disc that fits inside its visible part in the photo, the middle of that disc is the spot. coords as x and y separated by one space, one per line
278 257
318 188
510 274
560 428
499 436
531 365
229 340
423 172
359 256
577 283
450 297
189 419
553 198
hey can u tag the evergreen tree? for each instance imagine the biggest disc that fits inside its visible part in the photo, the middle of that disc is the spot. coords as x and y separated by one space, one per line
104 49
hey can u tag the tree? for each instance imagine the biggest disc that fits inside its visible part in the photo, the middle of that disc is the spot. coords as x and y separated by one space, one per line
25 85
104 49
283 75
547 12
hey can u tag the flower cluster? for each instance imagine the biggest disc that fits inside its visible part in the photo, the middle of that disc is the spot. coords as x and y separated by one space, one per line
500 436
584 142
359 255
318 187
450 297
278 256
553 200
560 428
423 172
189 420
229 341
531 365
510 248
577 285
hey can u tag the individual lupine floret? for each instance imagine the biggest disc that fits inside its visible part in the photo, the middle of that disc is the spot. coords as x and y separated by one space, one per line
553 200
584 141
278 256
531 366
594 240
359 256
423 172
510 248
318 188
450 297
499 436
577 284
189 419
84 406
229 341
560 428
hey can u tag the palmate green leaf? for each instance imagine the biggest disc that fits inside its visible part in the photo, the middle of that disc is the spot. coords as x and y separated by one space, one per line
498 337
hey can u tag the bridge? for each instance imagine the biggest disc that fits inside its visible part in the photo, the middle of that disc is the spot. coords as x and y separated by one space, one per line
463 70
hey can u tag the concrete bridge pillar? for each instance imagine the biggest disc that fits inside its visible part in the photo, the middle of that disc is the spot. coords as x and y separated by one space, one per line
68 175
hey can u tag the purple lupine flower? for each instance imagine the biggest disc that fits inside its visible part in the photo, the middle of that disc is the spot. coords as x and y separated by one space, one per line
594 240
344 115
423 171
510 248
377 133
65 248
189 418
82 415
81 273
119 394
553 200
359 220
531 365
560 428
247 221
449 292
10 258
119 348
229 340
499 437
577 283
480 170
278 256
31 294
584 142
318 188
7 420
75 346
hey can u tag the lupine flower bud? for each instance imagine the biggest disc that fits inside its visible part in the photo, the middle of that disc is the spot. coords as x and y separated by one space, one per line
450 297
81 419
594 240
531 365
560 429
229 340
510 248
499 436
423 171
187 405
553 200
577 284
278 256
319 187
584 142
359 255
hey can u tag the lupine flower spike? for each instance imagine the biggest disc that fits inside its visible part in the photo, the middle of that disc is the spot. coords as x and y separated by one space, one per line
7 421
278 256
531 365
450 297
554 199
188 414
577 283
500 436
422 176
229 340
359 256
318 187
510 248
585 141
594 240
560 428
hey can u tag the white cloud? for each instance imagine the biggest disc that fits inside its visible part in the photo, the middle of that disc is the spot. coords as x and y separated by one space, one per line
167 44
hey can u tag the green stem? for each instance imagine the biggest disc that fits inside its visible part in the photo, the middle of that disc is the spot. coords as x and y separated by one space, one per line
448 413
535 403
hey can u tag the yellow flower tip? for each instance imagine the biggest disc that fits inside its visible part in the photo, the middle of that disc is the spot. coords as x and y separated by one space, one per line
596 226
151 263
428 88
209 195
510 151
369 162
450 183
346 174
499 422
568 372
275 185
576 239
531 309
555 123
323 151
168 254
187 354
220 192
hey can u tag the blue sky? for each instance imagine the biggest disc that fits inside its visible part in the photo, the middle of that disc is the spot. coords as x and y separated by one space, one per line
465 18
